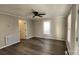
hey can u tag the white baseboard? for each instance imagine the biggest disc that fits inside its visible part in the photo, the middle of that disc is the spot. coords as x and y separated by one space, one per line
2 47
60 39
12 43
68 47
29 37
9 45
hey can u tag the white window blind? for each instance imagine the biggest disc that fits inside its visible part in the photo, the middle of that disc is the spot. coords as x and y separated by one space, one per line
46 27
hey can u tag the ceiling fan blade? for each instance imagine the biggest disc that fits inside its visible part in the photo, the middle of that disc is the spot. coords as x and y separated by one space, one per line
41 14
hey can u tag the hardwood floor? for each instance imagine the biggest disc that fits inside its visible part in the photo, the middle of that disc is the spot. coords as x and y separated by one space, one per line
36 46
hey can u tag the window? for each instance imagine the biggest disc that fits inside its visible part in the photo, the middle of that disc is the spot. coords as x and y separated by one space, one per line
46 27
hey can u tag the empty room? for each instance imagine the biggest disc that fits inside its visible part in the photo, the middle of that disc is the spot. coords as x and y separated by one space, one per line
39 29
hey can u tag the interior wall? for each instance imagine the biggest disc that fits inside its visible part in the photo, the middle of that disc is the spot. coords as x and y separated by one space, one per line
29 31
78 32
73 29
73 46
68 41
58 28
8 29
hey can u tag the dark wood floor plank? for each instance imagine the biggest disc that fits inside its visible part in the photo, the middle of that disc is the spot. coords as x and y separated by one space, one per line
36 46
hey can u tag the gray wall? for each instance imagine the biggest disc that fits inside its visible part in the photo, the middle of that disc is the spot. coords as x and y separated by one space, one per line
73 46
8 28
58 28
29 29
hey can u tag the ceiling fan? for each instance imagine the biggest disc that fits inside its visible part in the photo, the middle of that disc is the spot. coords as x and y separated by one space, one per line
36 13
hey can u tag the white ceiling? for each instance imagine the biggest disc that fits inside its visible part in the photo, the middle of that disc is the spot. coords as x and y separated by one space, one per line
25 10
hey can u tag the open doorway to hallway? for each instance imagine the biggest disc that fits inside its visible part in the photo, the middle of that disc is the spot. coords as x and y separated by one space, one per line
22 28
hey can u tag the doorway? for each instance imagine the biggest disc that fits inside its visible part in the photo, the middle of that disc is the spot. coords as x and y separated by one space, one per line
22 28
